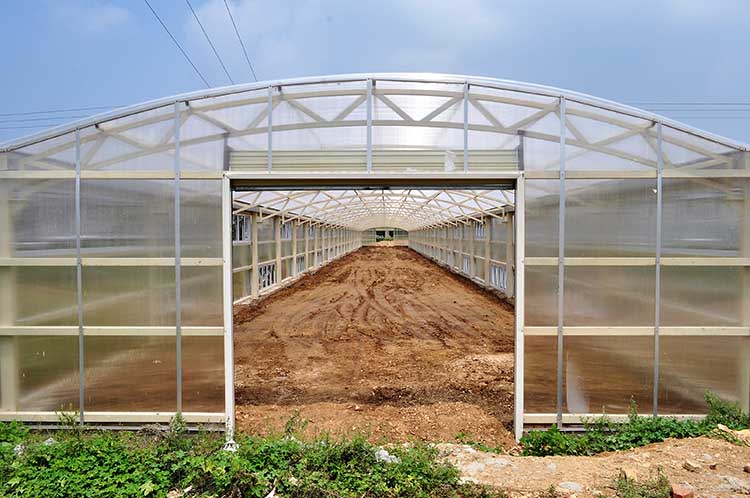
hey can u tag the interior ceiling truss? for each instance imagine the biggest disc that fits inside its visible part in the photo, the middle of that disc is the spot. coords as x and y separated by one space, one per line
409 209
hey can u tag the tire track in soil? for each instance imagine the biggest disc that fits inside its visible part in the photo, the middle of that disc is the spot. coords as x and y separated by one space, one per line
381 340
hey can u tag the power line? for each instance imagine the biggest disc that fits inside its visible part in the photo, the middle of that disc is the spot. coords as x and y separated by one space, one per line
695 102
28 126
53 111
239 38
176 43
208 39
48 118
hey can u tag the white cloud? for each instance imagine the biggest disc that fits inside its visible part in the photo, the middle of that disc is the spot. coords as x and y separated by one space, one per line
90 17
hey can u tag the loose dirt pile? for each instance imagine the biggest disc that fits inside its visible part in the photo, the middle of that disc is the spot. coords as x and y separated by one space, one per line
717 468
383 341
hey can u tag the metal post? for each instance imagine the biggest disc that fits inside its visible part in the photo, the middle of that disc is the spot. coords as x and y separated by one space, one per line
316 246
79 280
472 249
306 226
369 125
561 267
177 257
269 152
487 249
254 270
520 246
460 247
466 127
226 231
277 239
657 282
294 248
510 251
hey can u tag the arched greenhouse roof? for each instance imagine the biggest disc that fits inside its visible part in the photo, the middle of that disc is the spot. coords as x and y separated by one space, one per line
510 85
380 123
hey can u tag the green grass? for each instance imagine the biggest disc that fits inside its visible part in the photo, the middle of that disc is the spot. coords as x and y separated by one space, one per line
602 435
657 486
125 464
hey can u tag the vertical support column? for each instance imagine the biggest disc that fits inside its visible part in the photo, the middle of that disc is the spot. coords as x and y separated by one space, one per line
657 278
177 258
561 267
226 232
306 226
472 249
277 240
294 249
269 152
460 247
316 245
369 125
254 270
79 281
487 249
9 361
510 252
520 246
466 127
744 386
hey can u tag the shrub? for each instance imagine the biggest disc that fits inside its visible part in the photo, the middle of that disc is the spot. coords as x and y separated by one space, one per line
602 435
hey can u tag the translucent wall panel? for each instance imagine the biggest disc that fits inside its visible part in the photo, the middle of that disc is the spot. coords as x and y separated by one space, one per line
706 217
541 296
701 296
609 296
120 296
130 373
602 374
202 296
200 218
127 218
498 239
40 218
41 295
47 372
203 374
691 365
542 217
540 374
611 218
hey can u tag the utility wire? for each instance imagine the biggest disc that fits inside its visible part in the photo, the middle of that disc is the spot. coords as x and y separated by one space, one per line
691 103
48 118
176 43
239 38
208 39
53 111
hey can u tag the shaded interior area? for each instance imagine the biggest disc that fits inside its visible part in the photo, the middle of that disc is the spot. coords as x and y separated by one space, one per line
381 340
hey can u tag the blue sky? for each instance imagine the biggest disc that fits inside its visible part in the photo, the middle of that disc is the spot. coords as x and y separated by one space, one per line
59 54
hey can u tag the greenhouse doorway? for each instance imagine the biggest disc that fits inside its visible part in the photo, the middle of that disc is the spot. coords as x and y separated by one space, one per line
410 341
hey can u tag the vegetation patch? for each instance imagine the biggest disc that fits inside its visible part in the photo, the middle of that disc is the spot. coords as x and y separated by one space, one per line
109 464
603 435
657 486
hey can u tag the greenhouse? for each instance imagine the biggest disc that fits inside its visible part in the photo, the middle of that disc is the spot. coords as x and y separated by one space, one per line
621 237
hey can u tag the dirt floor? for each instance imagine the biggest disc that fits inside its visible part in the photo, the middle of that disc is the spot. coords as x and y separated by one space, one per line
382 341
718 468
